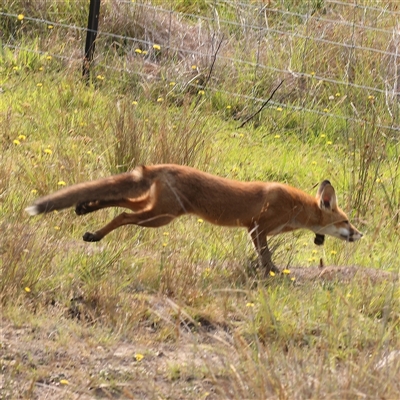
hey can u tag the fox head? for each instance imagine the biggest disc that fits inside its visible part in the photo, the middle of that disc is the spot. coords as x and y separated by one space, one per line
334 221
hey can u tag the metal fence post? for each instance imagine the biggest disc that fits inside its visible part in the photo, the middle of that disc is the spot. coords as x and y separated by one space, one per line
93 23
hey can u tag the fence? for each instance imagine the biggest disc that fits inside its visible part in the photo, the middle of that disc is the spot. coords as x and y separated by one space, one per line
327 52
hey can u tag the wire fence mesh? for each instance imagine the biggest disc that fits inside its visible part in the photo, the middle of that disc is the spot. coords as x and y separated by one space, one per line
330 54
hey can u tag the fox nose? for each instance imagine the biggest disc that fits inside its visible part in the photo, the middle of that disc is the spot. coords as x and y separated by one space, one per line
355 236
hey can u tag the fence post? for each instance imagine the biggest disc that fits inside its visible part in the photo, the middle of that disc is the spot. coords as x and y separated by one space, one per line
91 34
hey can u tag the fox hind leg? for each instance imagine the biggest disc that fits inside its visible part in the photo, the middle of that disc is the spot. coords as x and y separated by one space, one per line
88 207
149 219
91 206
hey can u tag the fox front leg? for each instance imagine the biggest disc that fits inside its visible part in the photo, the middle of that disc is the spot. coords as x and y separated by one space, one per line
264 254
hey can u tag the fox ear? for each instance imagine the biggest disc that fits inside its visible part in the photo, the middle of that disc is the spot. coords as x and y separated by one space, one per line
326 196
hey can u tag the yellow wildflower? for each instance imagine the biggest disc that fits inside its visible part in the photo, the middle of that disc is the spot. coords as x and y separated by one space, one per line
139 357
20 17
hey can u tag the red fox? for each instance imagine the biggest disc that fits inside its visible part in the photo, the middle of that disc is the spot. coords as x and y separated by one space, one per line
158 194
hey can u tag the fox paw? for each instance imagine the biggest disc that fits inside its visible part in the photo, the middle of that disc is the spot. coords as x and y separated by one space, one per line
91 237
82 208
319 239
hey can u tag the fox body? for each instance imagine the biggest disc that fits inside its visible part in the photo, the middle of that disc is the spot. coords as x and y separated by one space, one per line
158 194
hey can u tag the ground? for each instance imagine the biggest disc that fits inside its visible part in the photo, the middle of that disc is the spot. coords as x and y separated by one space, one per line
59 357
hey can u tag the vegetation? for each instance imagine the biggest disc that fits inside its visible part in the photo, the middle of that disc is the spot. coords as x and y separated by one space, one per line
177 312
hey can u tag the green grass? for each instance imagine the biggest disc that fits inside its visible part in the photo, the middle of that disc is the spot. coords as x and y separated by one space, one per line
75 315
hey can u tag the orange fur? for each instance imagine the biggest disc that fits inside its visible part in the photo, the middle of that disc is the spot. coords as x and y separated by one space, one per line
158 194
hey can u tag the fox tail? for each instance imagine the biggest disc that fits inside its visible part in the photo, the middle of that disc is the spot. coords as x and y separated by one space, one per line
129 184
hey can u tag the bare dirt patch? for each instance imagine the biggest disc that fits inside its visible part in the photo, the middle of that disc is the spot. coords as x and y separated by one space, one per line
36 364
343 274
